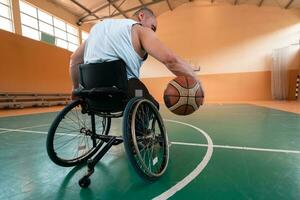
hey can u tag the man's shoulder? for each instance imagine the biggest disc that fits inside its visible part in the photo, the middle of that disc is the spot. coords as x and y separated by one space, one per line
117 21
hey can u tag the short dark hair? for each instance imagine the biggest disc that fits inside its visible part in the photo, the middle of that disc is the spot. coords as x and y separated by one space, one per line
145 10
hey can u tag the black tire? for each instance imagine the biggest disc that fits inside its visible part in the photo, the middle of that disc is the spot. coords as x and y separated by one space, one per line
145 139
70 139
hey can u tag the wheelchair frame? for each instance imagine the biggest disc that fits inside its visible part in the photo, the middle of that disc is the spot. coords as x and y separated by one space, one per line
143 131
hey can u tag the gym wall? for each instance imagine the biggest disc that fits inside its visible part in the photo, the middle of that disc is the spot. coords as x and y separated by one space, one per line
232 44
32 66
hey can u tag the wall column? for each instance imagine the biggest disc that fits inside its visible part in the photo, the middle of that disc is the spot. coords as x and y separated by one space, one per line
16 16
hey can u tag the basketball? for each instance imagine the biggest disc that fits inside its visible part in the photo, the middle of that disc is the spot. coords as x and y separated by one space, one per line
183 95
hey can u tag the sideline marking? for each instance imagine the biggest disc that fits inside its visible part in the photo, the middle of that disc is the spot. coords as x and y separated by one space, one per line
239 148
20 130
40 132
181 184
176 143
41 125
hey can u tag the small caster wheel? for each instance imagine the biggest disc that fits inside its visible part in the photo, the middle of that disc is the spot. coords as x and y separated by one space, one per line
84 182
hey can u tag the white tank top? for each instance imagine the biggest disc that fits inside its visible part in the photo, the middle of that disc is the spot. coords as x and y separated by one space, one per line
110 40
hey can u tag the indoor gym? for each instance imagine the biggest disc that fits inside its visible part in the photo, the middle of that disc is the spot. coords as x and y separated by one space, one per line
243 143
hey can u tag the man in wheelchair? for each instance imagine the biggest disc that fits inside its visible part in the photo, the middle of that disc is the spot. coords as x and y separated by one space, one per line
105 72
129 40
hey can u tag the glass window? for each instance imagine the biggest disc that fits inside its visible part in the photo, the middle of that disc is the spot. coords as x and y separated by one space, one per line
72 38
29 21
72 30
34 21
30 32
61 43
60 24
5 2
6 22
46 28
60 34
28 9
72 47
84 35
45 17
5 11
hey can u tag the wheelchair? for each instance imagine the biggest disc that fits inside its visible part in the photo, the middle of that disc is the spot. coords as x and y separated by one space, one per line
80 132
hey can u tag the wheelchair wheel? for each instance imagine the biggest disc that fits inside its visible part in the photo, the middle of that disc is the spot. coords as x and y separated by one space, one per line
145 139
71 139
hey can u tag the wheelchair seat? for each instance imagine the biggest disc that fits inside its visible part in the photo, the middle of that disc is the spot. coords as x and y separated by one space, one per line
103 86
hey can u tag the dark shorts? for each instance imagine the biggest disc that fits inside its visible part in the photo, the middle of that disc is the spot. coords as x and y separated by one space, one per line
137 88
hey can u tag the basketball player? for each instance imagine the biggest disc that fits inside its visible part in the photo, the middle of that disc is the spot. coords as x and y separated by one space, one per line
130 40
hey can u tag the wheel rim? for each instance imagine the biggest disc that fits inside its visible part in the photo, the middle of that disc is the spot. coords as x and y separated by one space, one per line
150 140
73 136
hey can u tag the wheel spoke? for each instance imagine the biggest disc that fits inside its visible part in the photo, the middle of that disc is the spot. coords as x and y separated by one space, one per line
150 150
72 136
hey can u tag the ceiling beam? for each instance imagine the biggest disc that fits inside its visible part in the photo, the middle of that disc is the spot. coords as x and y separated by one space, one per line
126 11
84 8
169 4
288 4
118 8
81 19
141 2
260 3
138 7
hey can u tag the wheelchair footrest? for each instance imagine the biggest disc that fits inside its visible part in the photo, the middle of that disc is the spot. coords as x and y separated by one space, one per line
107 138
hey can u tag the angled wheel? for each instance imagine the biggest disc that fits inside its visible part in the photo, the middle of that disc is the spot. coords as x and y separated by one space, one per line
145 139
71 138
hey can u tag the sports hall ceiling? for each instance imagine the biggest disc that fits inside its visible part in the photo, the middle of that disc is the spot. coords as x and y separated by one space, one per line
94 10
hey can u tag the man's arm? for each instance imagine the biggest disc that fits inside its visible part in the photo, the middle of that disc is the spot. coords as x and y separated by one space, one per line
159 51
75 60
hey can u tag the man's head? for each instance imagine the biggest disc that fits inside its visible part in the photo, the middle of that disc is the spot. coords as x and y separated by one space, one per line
146 17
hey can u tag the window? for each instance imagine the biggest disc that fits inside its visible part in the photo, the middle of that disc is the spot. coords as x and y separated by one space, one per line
84 36
37 24
6 15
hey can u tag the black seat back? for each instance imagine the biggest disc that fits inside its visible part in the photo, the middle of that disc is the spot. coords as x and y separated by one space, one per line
106 84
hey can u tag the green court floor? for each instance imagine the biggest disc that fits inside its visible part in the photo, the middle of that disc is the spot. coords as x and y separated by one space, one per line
255 155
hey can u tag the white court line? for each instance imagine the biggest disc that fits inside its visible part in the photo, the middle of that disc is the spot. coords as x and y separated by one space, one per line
179 143
40 132
24 131
28 131
239 148
28 127
191 176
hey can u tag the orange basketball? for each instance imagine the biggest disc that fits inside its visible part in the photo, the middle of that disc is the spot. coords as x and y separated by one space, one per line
183 95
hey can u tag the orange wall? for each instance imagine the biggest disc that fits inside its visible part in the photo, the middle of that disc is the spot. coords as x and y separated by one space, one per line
31 66
223 87
28 65
247 86
233 44
222 38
